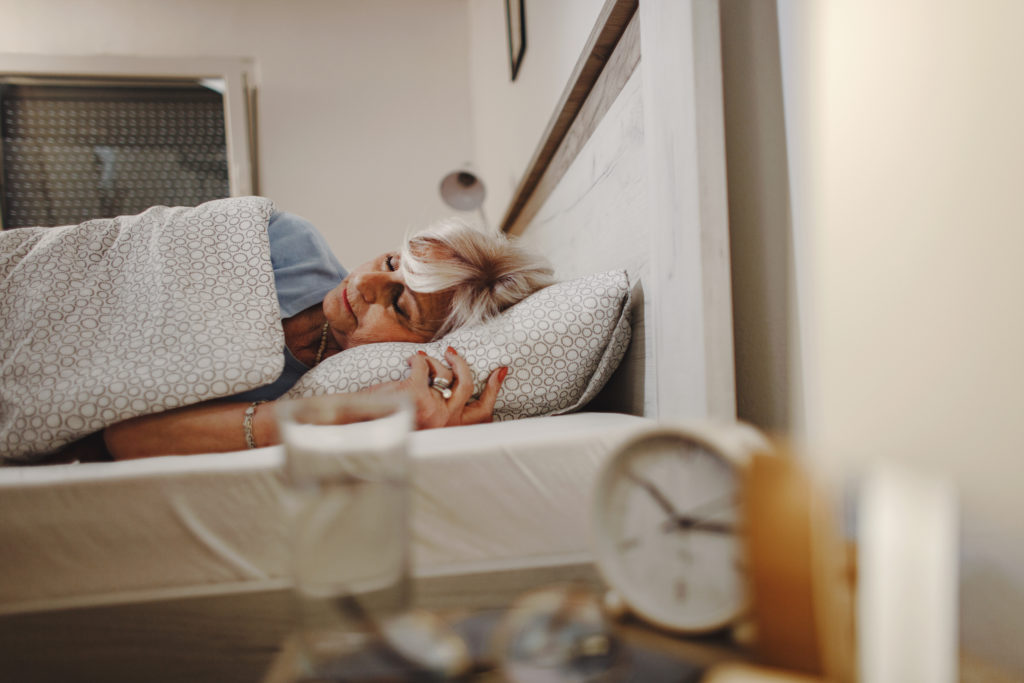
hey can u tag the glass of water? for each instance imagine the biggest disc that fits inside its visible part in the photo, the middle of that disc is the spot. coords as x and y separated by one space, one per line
347 468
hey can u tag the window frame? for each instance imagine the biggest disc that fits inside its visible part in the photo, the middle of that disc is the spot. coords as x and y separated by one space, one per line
238 96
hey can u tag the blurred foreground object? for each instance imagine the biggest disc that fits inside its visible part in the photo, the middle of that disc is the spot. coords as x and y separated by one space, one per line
883 611
801 573
907 593
347 466
667 525
557 635
745 673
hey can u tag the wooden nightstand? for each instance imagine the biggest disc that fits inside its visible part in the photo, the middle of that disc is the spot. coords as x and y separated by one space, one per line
475 601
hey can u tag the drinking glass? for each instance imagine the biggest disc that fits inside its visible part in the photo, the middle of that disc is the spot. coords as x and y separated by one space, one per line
348 475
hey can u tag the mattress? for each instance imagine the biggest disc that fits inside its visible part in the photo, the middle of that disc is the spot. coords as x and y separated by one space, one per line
496 496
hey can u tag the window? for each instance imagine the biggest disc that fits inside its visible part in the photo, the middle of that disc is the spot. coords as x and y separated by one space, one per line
99 145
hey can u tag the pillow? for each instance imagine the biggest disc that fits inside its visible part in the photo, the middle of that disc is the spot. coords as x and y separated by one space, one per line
561 345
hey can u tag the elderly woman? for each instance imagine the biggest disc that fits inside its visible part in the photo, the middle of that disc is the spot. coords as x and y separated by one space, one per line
443 278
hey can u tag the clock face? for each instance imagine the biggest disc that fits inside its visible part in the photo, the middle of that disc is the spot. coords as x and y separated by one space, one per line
666 517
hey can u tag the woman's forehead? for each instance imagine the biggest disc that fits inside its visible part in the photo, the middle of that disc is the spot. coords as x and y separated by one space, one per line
425 250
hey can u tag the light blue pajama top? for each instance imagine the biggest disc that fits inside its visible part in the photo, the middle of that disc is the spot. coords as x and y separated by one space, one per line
304 271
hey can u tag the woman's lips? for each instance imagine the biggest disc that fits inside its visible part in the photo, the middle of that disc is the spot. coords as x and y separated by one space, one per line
348 306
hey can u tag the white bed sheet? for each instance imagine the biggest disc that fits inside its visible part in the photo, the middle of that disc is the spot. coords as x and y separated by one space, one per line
495 496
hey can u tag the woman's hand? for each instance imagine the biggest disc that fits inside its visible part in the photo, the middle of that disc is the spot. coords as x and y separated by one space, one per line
431 407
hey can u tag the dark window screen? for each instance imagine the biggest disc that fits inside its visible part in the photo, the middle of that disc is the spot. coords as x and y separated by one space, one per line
75 152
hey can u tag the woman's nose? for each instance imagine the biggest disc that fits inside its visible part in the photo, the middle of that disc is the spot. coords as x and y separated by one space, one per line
373 285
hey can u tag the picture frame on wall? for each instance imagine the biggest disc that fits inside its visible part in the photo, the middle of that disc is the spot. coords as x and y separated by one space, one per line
515 23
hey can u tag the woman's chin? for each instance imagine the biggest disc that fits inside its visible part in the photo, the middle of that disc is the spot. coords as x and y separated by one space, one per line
334 309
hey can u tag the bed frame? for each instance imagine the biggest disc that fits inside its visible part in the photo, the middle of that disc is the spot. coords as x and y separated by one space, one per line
630 173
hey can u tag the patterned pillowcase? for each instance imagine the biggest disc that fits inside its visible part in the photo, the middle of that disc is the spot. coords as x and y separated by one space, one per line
561 345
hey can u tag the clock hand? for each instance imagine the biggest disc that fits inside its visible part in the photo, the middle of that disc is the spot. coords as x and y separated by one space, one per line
682 523
695 518
676 519
659 497
713 504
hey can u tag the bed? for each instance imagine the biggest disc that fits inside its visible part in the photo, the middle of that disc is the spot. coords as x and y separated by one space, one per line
190 554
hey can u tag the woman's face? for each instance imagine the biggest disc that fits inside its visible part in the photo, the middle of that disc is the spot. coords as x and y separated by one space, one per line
373 304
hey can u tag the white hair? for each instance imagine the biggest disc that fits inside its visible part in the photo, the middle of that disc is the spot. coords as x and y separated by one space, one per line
486 272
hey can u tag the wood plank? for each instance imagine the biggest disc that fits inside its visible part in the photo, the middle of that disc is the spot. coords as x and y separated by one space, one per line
595 220
213 638
231 637
684 135
611 24
606 90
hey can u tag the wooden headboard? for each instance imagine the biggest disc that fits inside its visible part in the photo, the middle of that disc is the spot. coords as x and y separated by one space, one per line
630 173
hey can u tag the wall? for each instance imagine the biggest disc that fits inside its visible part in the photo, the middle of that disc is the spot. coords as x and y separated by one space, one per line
905 145
363 106
767 346
510 116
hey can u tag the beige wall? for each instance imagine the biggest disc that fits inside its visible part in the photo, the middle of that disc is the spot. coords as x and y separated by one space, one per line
510 116
767 348
905 144
363 105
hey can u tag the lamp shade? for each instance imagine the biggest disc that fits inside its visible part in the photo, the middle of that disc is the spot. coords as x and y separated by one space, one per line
462 190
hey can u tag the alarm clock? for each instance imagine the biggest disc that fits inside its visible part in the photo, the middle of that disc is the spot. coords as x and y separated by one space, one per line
667 525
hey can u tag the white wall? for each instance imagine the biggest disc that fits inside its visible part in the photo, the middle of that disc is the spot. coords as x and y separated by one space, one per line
363 104
510 116
906 148
764 313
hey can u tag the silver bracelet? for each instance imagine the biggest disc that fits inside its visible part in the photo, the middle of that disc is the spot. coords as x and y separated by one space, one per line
250 440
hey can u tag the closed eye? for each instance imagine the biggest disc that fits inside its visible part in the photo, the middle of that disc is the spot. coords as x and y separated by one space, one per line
389 263
398 309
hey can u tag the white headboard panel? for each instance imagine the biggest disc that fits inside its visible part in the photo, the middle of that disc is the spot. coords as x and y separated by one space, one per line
583 237
631 174
684 132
